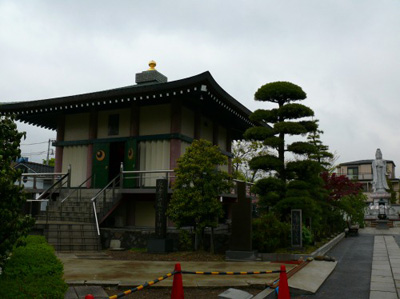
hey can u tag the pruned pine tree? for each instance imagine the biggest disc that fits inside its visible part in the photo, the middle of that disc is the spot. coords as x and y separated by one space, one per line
288 119
321 154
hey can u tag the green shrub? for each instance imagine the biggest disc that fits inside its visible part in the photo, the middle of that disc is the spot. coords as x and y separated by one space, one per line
33 271
269 233
185 240
307 236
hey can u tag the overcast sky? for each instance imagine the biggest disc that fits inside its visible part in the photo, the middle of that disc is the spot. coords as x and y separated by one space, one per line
343 53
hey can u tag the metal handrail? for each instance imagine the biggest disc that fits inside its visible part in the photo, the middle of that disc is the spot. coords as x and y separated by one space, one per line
77 188
43 174
94 198
54 184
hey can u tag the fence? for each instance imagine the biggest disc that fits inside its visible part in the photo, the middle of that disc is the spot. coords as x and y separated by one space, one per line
177 286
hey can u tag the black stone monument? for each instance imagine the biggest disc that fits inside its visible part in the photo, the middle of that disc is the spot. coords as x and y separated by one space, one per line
296 231
160 244
240 243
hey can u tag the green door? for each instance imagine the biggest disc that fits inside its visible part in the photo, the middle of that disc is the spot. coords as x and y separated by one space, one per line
130 162
101 158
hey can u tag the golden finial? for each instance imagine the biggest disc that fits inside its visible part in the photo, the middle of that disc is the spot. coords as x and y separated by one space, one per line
152 65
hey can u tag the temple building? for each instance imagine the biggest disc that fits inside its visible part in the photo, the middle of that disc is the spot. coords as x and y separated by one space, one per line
136 133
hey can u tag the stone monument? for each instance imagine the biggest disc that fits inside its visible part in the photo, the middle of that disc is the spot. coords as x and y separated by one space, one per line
160 244
240 245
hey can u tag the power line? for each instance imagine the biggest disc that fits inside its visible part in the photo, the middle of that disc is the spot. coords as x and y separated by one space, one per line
34 143
34 154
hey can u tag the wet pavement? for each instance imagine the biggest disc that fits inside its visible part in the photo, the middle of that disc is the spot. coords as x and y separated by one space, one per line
368 266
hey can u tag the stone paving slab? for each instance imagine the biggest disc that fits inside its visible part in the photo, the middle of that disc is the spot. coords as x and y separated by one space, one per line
79 292
385 268
312 276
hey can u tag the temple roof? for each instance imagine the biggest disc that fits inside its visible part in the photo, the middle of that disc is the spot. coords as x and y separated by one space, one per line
200 91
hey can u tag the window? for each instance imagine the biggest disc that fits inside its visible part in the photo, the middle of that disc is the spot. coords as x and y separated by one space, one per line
113 124
352 173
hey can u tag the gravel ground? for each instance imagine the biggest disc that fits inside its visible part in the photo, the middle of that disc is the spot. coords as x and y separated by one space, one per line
198 293
161 292
187 256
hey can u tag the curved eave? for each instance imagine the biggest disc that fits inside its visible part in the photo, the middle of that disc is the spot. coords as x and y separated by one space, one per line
45 113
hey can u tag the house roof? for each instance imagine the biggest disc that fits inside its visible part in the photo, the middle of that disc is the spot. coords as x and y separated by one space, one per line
201 91
361 162
35 167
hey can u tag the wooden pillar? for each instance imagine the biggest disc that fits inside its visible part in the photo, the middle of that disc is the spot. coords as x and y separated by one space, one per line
92 136
60 149
176 128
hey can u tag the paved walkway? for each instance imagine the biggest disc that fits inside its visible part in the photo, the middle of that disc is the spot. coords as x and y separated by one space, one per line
385 276
368 266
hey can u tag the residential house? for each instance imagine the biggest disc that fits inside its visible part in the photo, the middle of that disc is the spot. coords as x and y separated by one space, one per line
361 171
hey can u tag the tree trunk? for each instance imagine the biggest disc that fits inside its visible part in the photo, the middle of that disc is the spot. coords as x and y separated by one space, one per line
212 249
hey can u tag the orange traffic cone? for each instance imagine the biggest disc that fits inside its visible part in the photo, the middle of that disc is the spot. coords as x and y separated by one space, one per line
177 285
283 292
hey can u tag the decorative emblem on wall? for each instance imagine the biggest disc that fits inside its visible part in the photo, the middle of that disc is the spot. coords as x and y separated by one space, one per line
130 154
100 155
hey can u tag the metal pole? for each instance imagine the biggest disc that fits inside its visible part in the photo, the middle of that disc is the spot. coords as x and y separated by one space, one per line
48 153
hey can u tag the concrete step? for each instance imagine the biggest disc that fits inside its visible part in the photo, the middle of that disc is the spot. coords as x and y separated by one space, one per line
76 241
76 247
66 236
68 219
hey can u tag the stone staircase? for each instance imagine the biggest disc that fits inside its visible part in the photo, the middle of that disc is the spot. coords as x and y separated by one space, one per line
70 225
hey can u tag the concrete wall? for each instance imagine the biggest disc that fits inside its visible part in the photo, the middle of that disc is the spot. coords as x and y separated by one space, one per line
222 136
76 156
76 127
184 146
206 129
145 213
124 123
155 120
365 168
187 122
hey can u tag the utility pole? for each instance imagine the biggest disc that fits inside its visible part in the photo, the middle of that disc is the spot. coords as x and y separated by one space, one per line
48 153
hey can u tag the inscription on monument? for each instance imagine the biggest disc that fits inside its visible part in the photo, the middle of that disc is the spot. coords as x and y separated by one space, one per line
296 232
161 207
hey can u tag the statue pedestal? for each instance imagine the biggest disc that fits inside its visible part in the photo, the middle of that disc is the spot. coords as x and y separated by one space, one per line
382 224
380 197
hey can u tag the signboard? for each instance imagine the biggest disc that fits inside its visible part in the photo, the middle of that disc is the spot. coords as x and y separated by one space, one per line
296 229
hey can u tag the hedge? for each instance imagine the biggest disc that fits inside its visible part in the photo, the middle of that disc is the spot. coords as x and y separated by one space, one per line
33 271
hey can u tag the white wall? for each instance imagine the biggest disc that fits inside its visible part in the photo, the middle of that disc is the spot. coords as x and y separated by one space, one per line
155 120
222 138
206 129
187 122
124 123
77 157
76 127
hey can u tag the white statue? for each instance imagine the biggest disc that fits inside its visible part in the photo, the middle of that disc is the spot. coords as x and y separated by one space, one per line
379 184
